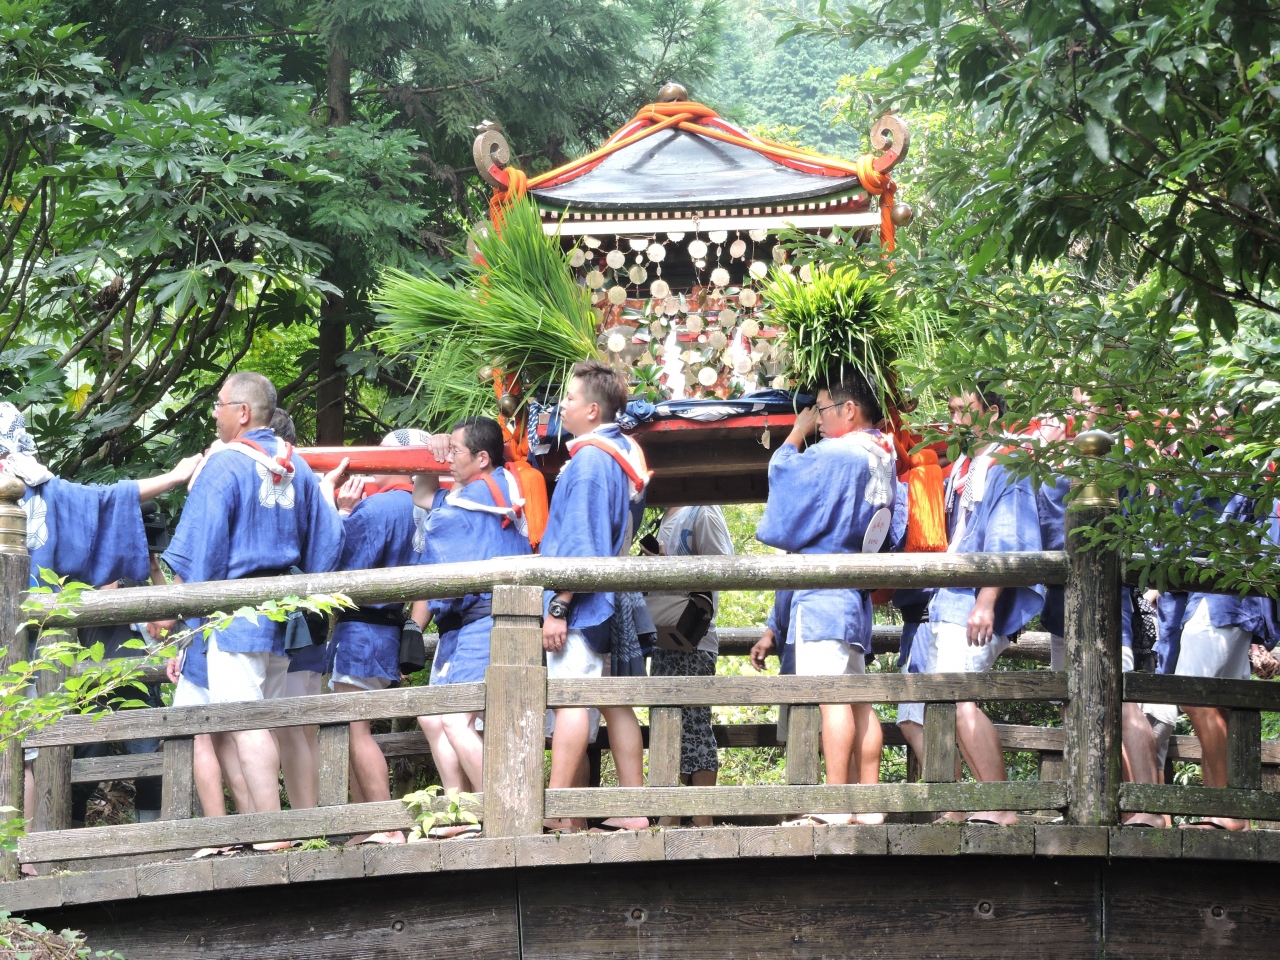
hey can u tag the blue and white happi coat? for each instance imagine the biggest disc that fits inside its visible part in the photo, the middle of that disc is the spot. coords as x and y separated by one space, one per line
989 511
244 519
822 501
464 525
378 533
590 516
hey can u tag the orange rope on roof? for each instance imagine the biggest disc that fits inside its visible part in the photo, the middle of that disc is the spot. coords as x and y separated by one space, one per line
684 115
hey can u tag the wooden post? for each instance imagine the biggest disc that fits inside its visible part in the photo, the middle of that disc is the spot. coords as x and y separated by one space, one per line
1244 750
939 763
515 711
1092 720
15 571
52 767
178 783
804 737
665 736
335 763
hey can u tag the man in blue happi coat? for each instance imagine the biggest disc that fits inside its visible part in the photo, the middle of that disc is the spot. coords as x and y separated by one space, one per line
83 533
255 510
364 653
1217 632
480 517
988 511
841 495
590 516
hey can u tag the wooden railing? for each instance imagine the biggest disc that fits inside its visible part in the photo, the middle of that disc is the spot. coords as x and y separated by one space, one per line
1085 786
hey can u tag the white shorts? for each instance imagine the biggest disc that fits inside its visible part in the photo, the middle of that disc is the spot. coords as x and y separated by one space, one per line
1209 651
1165 713
364 683
575 659
828 658
302 683
928 654
235 677
188 694
955 655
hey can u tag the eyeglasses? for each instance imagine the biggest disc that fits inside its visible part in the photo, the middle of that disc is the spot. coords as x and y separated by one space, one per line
228 403
830 406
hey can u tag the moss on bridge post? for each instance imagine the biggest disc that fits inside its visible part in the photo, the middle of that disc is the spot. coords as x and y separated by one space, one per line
1092 642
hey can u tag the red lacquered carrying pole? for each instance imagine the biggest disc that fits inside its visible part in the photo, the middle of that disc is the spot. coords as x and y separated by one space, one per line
373 459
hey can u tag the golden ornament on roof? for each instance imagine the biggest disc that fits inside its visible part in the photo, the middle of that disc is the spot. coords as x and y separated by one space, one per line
617 295
738 249
697 249
720 277
615 259
748 297
659 289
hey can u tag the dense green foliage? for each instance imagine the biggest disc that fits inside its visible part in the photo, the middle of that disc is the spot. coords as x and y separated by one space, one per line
1097 191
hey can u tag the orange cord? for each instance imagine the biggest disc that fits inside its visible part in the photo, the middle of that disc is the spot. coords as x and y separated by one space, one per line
684 115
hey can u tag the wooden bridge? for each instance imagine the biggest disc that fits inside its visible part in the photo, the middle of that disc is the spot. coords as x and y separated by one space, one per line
1066 881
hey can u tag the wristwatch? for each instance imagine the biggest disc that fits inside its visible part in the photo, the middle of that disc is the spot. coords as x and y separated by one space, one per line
559 609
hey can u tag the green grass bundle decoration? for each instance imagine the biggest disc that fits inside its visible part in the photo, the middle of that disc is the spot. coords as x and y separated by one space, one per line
519 309
839 322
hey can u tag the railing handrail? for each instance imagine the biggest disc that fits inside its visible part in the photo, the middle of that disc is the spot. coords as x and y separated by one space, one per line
581 575
162 722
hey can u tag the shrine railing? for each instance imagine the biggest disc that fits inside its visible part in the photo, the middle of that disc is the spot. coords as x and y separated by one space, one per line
1086 788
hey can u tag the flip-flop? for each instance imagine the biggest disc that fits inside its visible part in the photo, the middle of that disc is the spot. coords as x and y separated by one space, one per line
384 837
815 819
1203 825
228 851
276 845
602 825
994 823
454 831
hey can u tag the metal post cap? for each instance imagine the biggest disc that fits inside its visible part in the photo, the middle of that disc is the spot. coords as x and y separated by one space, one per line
672 92
1095 443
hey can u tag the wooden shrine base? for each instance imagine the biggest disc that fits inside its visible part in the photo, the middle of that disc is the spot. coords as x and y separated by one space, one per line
897 891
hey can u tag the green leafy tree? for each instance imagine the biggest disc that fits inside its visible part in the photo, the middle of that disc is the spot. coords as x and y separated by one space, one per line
143 243
1099 226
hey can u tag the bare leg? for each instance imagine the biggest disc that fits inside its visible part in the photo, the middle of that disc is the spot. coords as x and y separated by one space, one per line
980 745
838 734
913 733
260 762
369 774
298 764
701 778
1140 752
28 791
867 749
466 743
626 743
229 760
208 776
1210 725
443 755
568 753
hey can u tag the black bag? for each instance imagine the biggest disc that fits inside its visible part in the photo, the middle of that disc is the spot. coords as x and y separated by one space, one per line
305 628
681 619
413 650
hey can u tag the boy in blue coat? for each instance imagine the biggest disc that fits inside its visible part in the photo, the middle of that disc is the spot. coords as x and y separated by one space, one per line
590 516
989 511
838 496
255 510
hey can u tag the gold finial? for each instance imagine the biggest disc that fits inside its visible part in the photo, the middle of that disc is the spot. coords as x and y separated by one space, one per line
672 92
13 520
902 214
1095 443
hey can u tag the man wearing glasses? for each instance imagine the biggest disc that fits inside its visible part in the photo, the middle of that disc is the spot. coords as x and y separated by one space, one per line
255 510
840 495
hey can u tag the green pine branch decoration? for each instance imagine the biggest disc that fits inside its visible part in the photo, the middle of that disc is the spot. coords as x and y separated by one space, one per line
520 309
839 322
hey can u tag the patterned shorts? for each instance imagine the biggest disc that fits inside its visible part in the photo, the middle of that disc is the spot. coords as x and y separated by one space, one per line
697 742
